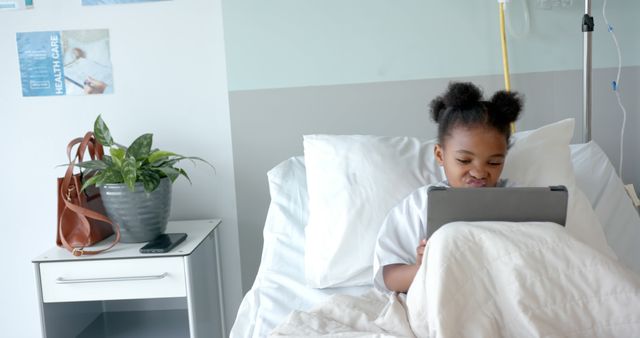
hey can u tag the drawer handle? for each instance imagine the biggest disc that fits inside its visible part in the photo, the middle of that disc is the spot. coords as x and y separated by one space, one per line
61 280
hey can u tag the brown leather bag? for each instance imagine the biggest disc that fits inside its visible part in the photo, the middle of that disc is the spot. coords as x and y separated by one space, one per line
81 215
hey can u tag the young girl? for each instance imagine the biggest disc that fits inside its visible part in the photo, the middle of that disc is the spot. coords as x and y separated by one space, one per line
473 137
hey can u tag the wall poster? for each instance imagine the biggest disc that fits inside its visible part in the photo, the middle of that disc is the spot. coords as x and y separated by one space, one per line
15 4
74 62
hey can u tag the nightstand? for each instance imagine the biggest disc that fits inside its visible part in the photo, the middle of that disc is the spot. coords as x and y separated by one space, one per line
123 293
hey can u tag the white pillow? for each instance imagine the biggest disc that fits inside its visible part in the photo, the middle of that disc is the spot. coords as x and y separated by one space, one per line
542 157
353 182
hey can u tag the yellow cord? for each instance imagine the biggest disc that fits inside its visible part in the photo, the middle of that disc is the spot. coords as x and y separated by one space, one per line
505 57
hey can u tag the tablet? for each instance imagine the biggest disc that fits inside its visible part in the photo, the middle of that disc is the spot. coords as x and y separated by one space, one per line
514 204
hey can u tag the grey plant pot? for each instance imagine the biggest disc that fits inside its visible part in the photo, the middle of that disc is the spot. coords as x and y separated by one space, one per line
141 216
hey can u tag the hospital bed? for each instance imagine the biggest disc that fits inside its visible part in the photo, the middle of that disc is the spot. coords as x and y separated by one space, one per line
280 285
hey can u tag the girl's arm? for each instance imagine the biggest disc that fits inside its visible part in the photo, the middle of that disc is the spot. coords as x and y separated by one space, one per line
398 277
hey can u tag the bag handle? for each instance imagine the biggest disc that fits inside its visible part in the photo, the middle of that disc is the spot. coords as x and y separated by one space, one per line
96 150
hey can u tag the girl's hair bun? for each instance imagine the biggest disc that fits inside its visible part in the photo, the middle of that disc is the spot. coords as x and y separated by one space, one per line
462 95
459 96
462 105
506 106
437 108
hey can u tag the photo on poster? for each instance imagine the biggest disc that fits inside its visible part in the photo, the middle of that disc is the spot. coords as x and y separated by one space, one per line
114 2
57 63
15 5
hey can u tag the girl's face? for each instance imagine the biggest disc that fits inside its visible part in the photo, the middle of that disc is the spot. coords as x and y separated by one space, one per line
472 157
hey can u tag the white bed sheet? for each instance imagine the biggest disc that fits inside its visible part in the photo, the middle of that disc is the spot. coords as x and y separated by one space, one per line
498 279
280 288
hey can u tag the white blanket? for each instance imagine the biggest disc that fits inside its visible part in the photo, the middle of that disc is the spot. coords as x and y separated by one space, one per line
488 279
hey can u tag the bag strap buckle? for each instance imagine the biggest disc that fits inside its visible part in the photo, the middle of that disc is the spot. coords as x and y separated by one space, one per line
77 252
69 190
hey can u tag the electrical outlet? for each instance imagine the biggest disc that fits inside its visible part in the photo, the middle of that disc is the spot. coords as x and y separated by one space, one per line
631 191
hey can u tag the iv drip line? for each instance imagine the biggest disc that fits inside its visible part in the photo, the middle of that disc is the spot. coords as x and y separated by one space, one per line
615 85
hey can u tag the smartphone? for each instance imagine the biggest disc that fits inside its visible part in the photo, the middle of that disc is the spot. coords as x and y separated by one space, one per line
163 243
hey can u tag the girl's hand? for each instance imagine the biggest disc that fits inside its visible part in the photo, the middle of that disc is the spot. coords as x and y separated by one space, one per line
420 251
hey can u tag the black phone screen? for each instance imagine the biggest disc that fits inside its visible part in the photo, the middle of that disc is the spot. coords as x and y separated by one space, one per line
163 243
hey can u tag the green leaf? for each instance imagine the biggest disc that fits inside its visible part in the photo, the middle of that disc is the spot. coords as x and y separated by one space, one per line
117 153
172 161
165 163
141 147
102 133
91 181
159 155
109 176
92 165
129 172
117 162
150 180
202 160
184 173
90 172
170 172
108 160
117 156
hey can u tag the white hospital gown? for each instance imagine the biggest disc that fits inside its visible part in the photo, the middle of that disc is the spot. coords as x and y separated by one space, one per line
402 230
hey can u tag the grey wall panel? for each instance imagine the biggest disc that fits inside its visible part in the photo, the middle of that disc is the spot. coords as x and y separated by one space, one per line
267 126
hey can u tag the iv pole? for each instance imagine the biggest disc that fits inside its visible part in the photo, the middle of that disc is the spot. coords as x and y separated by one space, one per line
587 29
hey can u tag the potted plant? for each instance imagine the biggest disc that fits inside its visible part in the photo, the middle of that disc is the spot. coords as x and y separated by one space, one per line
135 183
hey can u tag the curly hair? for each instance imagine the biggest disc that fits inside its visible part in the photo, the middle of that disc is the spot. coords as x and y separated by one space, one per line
462 105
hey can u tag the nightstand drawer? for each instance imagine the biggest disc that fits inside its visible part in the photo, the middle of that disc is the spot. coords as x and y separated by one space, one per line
112 279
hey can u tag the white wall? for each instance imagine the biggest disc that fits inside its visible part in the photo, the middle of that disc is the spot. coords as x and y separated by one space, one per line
332 42
170 80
